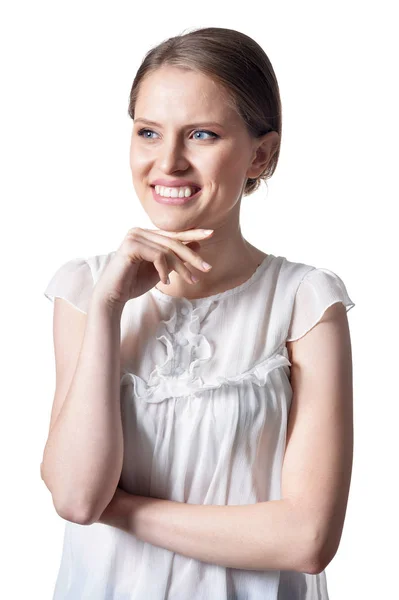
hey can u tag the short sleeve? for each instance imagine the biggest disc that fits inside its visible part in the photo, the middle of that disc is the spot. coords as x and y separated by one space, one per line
319 289
73 281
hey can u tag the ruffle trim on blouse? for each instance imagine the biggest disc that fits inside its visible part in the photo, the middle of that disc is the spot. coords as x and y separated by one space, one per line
186 352
162 386
186 349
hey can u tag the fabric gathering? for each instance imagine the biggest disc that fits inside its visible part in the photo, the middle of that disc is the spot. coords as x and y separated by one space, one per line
205 398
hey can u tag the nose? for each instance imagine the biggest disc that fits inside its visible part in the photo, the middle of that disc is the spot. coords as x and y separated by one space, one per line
172 156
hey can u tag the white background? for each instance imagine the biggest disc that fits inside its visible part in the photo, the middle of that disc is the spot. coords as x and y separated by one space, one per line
66 192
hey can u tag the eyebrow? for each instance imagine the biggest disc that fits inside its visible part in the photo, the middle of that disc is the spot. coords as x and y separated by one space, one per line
204 124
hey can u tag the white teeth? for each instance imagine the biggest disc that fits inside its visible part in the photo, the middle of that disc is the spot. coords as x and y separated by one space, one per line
174 192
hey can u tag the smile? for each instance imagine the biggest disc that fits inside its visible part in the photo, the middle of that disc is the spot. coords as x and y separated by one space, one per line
173 201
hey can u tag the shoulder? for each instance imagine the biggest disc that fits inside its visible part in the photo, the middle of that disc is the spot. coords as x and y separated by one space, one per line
98 262
74 280
311 292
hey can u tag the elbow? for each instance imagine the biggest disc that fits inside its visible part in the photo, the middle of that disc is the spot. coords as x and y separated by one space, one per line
318 541
318 556
313 565
70 512
80 512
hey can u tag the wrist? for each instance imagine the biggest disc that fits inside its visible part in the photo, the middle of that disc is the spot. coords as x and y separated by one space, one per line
105 306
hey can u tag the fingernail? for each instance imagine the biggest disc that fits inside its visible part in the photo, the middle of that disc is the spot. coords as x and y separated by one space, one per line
207 231
206 266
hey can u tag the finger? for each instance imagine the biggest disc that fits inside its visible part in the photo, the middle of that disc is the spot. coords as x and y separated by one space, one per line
193 245
184 252
164 259
138 248
187 235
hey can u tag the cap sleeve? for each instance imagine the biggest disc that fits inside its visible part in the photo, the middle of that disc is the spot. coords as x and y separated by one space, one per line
319 289
73 281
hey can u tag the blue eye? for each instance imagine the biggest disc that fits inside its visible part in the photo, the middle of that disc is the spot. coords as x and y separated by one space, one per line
142 133
207 132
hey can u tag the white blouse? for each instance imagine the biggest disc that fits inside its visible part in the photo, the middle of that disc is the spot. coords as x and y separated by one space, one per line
205 397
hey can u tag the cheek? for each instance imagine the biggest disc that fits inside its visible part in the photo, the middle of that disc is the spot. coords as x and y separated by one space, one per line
228 163
229 174
138 163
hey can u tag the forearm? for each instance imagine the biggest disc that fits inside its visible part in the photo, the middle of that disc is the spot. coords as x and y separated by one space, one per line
262 536
266 535
82 460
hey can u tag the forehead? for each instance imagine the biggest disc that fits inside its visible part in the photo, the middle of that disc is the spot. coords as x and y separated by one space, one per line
192 95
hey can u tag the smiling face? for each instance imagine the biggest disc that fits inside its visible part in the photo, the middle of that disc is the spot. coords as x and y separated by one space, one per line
215 155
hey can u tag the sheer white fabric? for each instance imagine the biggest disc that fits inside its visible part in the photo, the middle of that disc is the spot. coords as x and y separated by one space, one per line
319 289
205 398
73 282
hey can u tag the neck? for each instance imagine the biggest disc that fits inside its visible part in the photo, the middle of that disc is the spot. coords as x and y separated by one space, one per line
233 261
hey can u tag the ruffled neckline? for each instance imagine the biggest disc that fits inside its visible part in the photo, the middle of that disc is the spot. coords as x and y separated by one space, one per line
235 290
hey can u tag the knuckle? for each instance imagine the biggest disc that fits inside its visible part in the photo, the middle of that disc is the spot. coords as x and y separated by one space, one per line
133 232
164 251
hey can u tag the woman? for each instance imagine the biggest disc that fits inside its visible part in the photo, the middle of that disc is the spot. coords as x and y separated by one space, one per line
200 443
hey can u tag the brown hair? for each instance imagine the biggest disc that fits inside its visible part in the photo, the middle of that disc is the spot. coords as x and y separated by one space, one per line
239 65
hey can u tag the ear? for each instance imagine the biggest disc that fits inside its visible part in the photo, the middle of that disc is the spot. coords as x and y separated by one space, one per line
263 150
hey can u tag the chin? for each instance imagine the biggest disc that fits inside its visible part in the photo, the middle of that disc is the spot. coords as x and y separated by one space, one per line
169 225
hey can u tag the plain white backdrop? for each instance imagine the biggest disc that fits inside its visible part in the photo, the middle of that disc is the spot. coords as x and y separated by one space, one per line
66 192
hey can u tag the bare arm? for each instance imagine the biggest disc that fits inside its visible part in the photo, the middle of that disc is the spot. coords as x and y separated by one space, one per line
267 535
83 456
302 531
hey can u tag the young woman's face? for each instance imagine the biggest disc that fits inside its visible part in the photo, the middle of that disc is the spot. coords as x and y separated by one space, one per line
215 153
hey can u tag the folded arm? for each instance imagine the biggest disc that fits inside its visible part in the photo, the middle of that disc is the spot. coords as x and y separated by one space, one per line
300 532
